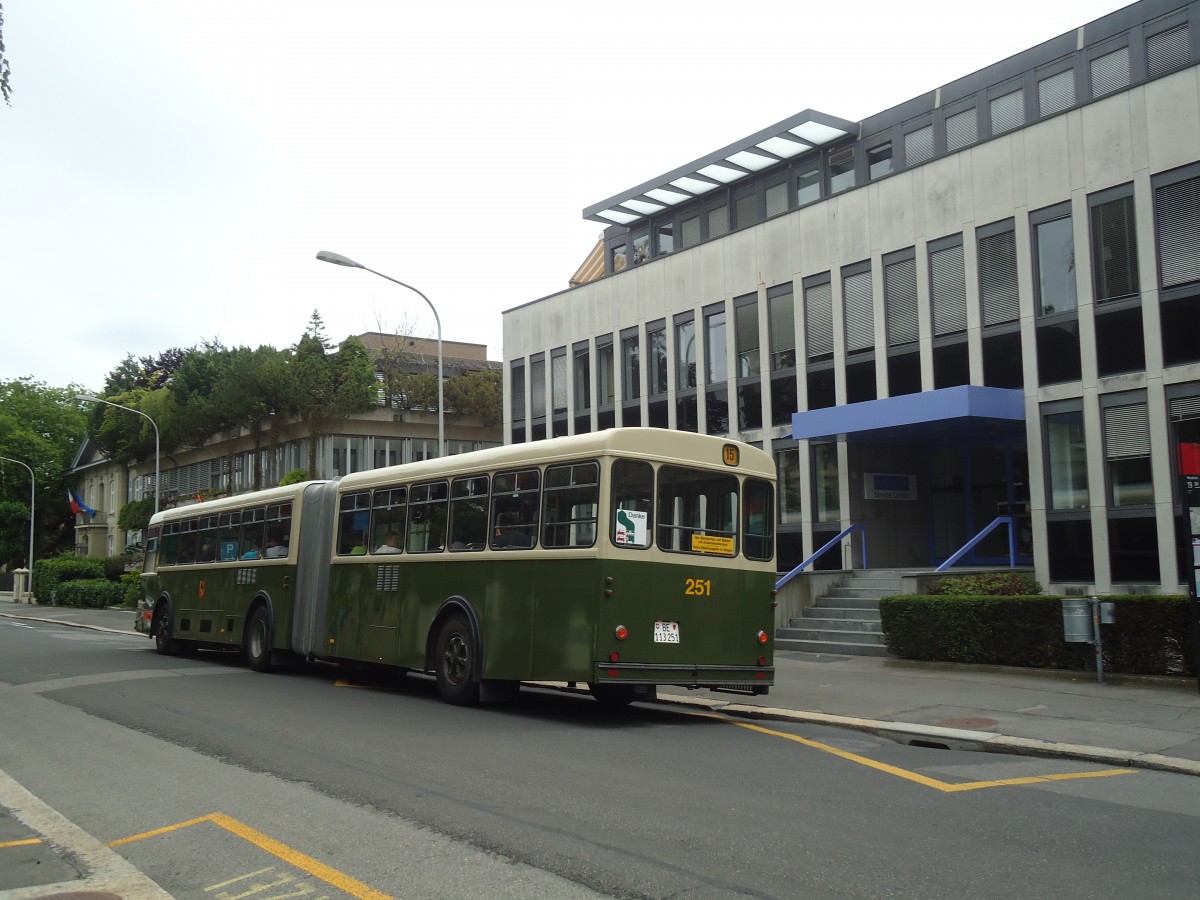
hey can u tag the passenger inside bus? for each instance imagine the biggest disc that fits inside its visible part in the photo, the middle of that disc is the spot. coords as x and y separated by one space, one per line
206 551
360 547
275 547
508 534
255 551
391 544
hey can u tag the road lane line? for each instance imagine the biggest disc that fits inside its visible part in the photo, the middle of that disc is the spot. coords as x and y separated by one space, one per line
22 843
936 784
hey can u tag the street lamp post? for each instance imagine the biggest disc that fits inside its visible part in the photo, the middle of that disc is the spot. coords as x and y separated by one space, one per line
88 398
29 561
338 260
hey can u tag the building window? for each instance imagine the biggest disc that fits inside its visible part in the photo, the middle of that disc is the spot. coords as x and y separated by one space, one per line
537 386
656 376
1056 93
1054 256
999 295
808 185
1008 111
1110 72
745 322
961 130
665 235
841 170
516 400
1177 219
900 300
918 146
818 320
583 379
617 258
947 286
1114 244
879 160
716 370
826 492
859 309
604 371
630 367
690 232
776 196
641 248
1127 451
685 355
787 466
718 221
781 327
745 207
1066 455
558 380
1168 50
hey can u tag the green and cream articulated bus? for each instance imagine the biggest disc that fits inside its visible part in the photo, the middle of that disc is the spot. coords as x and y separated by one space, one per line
623 559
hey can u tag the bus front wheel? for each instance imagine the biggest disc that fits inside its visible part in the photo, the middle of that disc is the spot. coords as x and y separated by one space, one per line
258 641
454 659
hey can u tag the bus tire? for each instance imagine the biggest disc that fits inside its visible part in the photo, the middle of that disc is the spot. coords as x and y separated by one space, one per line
612 696
258 640
161 627
455 662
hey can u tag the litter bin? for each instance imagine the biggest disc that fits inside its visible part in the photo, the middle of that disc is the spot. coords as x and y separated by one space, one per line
1077 621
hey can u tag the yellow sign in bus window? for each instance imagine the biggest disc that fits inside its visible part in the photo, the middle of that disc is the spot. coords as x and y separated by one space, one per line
712 543
729 453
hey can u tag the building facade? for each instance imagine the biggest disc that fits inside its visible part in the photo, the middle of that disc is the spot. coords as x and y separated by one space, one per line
238 461
981 303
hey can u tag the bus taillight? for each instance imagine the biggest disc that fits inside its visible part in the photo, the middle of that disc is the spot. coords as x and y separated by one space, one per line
614 656
621 632
762 660
762 637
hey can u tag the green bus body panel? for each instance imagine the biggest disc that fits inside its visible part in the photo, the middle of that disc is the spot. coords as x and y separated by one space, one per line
218 615
384 612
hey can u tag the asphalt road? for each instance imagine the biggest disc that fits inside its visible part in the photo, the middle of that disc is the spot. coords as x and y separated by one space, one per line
217 781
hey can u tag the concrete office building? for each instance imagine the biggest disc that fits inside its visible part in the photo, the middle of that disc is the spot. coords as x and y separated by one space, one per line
982 302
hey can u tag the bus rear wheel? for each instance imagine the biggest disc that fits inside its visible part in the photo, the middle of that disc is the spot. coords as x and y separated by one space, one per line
161 626
455 662
612 696
258 641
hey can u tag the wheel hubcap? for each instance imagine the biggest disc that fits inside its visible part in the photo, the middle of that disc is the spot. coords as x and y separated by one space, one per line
455 659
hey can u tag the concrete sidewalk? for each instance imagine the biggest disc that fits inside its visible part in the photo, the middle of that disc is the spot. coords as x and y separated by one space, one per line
1126 721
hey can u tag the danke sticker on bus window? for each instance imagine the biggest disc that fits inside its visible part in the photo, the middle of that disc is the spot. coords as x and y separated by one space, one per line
633 528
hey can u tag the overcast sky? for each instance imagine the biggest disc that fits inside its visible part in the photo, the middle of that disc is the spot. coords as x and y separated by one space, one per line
170 168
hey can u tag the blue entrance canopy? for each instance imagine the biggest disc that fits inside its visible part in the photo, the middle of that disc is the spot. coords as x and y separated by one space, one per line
964 405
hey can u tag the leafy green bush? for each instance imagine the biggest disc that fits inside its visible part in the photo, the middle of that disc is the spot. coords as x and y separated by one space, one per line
131 585
49 573
294 477
1149 636
987 584
91 593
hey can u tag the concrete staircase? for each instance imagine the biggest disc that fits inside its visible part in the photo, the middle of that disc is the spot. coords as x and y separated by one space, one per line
846 619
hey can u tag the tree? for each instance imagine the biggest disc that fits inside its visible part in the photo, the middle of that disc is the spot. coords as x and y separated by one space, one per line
5 72
478 394
42 427
324 387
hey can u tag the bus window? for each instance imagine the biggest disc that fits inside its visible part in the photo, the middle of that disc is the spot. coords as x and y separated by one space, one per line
254 523
229 528
389 509
427 517
209 540
758 529
169 551
633 499
697 511
187 542
569 504
353 519
279 530
468 513
515 508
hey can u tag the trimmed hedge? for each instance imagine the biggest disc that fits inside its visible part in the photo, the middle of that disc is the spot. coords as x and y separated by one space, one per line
49 573
1149 637
91 593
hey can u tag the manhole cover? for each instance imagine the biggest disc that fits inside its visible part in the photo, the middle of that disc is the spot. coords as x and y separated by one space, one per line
967 722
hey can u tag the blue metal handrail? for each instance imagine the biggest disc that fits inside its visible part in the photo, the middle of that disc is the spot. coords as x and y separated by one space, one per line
832 543
966 548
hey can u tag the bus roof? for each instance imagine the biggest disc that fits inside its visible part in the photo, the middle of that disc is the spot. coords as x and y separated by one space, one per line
236 501
648 443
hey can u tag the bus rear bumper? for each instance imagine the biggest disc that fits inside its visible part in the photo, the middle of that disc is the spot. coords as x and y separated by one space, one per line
737 679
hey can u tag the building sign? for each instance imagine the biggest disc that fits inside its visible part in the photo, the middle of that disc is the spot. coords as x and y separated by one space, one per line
1189 490
877 486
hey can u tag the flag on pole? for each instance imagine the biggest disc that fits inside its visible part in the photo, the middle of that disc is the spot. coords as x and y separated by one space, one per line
77 504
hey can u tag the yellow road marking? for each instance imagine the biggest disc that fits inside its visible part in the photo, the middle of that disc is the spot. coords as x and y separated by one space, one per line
22 843
295 858
925 780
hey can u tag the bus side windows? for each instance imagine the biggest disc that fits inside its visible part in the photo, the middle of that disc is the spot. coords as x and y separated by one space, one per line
427 517
353 518
633 501
569 504
758 527
388 512
515 509
468 513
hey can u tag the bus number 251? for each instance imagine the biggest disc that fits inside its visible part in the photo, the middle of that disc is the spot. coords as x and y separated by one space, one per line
697 587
